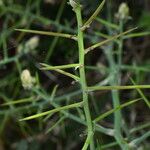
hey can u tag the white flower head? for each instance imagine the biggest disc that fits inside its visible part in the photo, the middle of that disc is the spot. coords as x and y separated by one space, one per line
32 43
123 11
27 80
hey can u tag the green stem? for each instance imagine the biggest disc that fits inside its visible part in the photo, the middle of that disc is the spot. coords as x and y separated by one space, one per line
117 87
94 15
116 102
115 94
56 34
48 67
137 141
83 78
86 144
79 104
120 49
91 48
102 116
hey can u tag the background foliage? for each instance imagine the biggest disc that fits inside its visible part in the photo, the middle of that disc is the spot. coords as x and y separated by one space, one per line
17 54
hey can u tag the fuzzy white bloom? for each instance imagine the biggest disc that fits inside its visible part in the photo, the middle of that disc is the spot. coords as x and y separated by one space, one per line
123 11
27 80
32 43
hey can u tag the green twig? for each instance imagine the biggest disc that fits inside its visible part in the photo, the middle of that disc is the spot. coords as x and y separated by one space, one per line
94 15
87 141
141 93
77 10
107 24
48 67
54 126
108 40
69 36
53 111
102 116
137 141
76 78
96 88
25 100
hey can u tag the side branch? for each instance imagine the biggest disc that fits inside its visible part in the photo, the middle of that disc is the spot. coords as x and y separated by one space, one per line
48 67
108 40
56 34
128 87
53 111
94 15
102 116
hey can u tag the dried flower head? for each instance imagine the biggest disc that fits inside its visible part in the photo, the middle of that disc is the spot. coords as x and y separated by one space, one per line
27 80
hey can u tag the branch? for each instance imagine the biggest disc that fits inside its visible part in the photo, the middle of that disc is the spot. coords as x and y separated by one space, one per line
53 111
69 36
102 116
48 67
128 87
89 21
87 141
108 40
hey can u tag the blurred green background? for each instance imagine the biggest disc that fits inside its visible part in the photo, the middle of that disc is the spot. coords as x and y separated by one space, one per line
17 52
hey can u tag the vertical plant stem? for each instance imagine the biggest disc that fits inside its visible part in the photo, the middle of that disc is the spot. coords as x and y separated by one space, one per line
120 49
116 99
83 80
115 71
